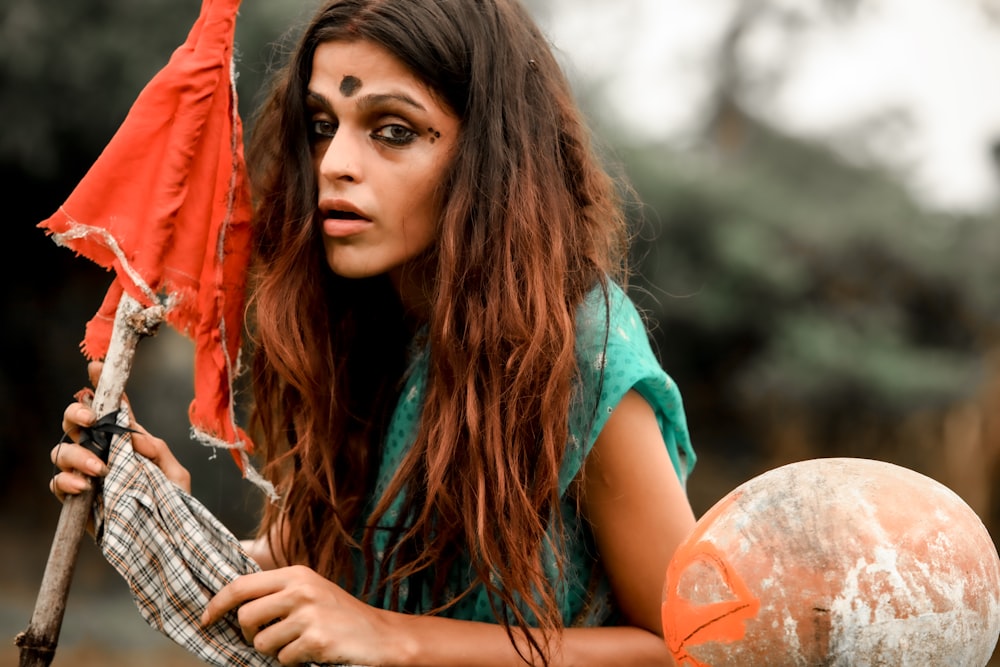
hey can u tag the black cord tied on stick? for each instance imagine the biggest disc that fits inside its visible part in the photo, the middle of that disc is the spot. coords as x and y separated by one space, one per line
97 438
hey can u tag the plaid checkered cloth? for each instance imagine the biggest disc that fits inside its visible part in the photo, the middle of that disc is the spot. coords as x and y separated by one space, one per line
174 554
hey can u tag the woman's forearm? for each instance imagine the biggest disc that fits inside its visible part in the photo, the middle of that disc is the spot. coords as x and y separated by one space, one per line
433 641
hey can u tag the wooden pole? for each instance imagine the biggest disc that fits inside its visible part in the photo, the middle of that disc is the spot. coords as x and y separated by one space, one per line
38 642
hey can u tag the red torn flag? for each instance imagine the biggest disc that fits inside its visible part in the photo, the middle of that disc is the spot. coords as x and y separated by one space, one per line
167 206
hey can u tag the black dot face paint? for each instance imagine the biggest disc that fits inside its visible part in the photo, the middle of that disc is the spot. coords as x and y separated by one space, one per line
435 135
349 85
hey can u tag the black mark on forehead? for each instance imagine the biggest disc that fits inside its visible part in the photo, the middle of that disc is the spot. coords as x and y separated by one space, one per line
350 85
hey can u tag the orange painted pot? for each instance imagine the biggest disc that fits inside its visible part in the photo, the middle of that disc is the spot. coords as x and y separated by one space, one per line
836 561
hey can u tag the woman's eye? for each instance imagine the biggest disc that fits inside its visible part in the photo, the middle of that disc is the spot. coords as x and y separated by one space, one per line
322 129
395 135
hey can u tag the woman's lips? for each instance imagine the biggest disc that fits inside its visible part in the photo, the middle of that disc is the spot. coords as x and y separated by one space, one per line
339 227
341 222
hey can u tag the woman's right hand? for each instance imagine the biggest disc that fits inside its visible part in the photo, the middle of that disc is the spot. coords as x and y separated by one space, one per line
77 464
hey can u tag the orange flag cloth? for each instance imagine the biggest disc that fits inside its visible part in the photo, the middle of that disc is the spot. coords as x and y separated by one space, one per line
167 206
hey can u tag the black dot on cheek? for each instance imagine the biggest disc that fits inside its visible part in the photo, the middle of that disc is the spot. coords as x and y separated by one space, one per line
437 134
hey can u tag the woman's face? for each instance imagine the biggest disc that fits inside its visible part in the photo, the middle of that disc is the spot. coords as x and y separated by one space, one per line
381 144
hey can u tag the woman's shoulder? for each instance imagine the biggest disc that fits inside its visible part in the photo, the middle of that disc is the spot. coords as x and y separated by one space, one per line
608 317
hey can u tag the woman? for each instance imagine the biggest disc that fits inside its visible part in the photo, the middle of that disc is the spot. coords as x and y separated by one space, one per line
480 461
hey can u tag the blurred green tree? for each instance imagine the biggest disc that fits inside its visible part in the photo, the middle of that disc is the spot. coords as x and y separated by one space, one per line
800 294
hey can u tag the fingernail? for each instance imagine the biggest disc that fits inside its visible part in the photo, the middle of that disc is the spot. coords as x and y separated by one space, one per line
98 468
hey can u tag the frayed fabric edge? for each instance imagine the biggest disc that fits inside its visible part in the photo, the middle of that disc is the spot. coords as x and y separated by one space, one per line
249 472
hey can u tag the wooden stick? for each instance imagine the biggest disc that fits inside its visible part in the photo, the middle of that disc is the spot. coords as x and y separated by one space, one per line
38 642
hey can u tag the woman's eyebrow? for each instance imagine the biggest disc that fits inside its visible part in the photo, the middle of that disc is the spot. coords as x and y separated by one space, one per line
314 99
367 102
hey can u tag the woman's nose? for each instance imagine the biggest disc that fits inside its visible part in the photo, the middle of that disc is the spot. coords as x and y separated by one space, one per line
341 160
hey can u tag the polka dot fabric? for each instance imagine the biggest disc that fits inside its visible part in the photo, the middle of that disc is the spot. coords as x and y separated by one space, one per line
614 356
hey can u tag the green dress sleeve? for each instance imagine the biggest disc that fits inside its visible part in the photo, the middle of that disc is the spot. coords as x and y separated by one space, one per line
615 356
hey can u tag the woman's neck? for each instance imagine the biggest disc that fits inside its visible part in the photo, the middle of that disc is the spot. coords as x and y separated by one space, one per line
412 283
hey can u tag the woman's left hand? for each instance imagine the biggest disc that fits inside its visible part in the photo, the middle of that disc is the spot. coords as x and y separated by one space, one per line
298 616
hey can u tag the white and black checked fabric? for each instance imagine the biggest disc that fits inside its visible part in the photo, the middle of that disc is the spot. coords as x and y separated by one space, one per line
174 554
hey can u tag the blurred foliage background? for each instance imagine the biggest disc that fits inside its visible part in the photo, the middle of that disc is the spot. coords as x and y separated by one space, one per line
806 303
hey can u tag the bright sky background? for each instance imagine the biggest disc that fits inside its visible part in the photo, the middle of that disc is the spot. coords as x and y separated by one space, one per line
939 59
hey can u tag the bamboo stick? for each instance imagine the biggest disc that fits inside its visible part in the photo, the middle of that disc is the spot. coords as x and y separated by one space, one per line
38 642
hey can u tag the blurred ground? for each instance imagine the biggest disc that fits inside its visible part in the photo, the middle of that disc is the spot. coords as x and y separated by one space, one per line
101 627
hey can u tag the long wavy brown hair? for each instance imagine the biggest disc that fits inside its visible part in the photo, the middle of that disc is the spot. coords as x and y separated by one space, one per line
530 223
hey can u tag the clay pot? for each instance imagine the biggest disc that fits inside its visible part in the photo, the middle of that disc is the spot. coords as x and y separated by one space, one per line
836 561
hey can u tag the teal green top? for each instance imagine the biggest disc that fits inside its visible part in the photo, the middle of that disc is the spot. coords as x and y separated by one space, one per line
614 356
